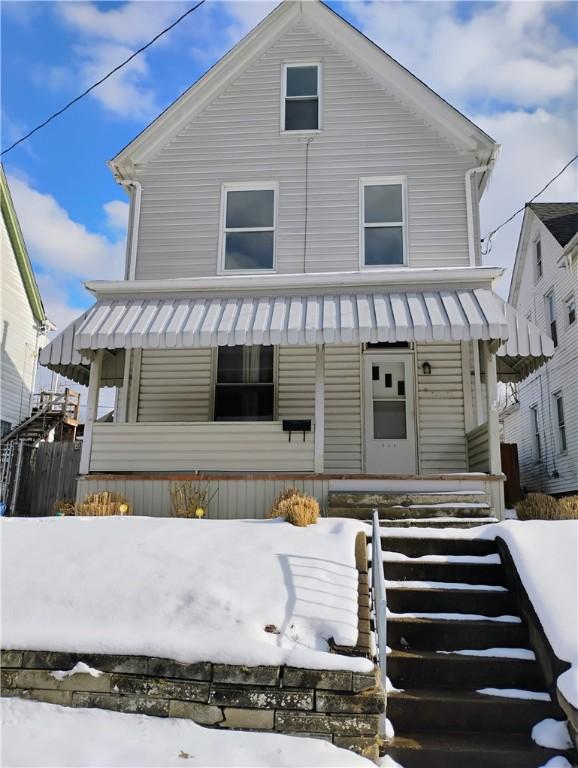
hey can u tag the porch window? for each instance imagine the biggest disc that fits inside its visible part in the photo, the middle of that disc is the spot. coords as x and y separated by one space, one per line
244 389
301 97
249 229
383 222
562 442
551 317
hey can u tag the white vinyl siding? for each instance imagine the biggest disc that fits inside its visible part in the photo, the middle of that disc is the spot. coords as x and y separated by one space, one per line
343 415
296 383
440 401
175 385
366 132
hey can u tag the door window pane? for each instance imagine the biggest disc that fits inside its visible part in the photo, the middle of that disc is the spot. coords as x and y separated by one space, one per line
383 246
383 204
301 81
249 250
250 208
389 421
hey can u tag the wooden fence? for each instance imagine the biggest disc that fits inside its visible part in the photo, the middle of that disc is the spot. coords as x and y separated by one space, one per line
48 473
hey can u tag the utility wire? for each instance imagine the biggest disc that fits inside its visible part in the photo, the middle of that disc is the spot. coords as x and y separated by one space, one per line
488 238
102 79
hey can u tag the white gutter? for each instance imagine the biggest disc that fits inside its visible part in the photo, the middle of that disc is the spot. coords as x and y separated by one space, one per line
470 203
135 221
449 277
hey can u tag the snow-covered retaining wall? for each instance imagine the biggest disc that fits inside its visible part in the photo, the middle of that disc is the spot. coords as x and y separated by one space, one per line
341 706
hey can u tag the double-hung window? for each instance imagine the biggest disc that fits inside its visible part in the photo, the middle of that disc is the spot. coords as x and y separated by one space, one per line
383 222
248 241
570 310
538 259
301 88
562 443
535 431
551 316
244 388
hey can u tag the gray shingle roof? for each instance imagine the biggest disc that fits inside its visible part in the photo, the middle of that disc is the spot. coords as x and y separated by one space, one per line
560 218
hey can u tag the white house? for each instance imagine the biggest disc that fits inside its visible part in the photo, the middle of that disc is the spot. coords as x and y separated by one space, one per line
22 320
304 300
544 420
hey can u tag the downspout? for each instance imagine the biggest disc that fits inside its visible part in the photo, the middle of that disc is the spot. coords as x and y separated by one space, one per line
133 237
470 204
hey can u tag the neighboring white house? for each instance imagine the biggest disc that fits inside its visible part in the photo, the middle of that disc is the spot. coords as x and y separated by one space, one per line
544 420
304 300
22 320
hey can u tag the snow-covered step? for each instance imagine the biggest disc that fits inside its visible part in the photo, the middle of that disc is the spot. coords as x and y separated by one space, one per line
454 599
415 546
435 522
370 499
417 634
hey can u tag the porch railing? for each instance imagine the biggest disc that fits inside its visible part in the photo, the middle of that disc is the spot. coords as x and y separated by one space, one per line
379 606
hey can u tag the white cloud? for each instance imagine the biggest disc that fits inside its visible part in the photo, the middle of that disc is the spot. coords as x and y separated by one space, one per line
58 242
508 51
535 146
117 214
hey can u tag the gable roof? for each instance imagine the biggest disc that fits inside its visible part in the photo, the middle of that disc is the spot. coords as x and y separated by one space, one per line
20 251
560 218
423 100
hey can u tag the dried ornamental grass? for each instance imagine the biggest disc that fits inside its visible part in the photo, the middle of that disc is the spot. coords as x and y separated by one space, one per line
102 504
538 506
64 507
569 507
297 508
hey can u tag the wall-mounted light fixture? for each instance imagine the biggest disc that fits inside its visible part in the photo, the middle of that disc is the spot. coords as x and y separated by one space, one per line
426 368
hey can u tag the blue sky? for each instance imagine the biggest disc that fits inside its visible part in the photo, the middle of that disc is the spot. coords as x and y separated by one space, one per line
511 67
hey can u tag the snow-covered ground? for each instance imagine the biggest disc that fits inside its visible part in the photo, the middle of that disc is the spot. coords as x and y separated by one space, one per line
183 589
46 735
546 556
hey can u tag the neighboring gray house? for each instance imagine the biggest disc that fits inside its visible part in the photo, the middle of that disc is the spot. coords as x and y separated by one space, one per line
22 320
304 301
544 420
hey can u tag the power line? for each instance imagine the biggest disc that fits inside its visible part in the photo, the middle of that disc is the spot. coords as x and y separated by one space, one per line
102 79
488 238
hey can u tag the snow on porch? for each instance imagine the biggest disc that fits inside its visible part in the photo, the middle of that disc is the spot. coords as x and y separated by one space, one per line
183 589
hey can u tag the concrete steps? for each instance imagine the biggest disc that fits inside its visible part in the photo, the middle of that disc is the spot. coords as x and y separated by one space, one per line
438 713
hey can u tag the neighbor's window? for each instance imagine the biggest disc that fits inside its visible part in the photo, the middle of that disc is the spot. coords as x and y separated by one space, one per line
562 444
382 211
249 236
538 257
551 317
301 97
244 389
5 427
570 310
536 433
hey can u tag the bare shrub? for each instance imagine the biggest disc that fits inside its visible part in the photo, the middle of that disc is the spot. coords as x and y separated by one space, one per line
188 499
102 504
569 507
296 508
538 506
64 507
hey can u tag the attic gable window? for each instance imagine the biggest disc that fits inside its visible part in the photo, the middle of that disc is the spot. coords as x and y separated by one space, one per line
248 239
383 222
301 86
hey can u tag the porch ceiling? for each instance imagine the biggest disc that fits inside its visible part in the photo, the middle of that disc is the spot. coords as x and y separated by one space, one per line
337 318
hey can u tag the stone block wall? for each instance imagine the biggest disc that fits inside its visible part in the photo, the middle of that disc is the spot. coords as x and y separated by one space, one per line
340 706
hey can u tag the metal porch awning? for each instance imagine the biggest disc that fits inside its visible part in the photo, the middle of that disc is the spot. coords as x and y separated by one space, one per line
336 318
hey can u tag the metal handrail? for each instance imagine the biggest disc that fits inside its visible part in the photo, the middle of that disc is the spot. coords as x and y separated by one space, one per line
41 412
379 604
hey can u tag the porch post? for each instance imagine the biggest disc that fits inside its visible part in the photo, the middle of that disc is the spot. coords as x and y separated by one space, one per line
493 424
319 460
91 411
477 382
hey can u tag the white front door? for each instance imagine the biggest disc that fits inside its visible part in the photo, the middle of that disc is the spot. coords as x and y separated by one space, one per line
389 403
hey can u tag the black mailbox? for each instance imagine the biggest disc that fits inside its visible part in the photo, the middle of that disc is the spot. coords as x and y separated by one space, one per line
296 425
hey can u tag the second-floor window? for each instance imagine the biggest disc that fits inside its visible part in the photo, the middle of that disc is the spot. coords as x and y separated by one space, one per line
248 242
562 443
535 427
301 86
382 222
538 259
551 317
570 310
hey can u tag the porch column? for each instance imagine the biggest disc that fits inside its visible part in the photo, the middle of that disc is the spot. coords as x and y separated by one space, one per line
493 424
319 461
477 383
91 411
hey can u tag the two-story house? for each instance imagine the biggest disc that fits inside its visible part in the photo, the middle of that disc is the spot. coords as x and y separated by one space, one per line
304 302
544 420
